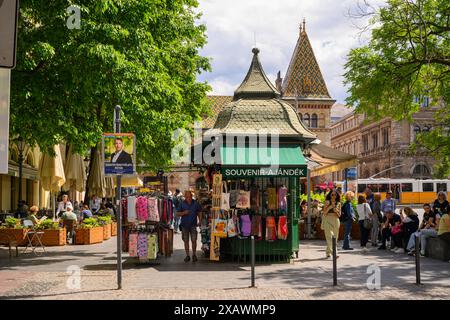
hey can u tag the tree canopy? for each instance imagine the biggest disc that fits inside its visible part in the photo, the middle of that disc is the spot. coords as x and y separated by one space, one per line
140 54
406 61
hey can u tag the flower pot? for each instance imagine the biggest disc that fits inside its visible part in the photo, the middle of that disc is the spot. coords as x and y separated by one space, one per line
18 235
89 236
114 229
54 237
107 231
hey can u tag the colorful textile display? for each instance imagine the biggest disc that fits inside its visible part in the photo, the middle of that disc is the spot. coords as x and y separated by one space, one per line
282 228
132 209
142 245
282 199
271 229
152 246
246 225
254 198
124 211
142 208
133 245
153 213
272 198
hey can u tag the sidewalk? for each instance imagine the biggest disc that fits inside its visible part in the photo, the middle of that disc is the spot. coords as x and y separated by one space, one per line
309 277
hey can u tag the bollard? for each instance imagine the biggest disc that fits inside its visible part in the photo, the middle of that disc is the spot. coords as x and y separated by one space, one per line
253 261
334 261
417 238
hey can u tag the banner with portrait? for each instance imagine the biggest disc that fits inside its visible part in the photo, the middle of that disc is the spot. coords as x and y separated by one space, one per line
119 153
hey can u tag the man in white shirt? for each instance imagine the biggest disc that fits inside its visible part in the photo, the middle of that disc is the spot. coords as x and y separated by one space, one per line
64 206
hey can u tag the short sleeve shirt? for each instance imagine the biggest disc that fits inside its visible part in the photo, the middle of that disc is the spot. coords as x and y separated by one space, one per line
190 220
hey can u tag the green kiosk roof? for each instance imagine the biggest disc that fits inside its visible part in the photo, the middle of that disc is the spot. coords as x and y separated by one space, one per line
284 160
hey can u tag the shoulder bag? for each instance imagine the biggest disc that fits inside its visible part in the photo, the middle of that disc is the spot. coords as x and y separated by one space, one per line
368 223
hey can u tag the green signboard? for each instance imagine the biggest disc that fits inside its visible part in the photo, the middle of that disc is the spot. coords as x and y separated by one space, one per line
243 172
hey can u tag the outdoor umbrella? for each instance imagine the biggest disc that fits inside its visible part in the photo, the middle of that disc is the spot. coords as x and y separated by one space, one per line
96 180
75 172
110 189
51 172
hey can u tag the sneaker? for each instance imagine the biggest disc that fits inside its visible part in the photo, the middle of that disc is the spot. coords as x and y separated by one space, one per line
347 248
393 248
194 259
399 250
422 254
382 248
411 253
187 259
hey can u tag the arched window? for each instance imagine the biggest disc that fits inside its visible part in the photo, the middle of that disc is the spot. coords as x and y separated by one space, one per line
314 121
421 170
306 120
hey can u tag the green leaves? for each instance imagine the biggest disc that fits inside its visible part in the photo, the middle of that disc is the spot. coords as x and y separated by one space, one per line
407 57
140 54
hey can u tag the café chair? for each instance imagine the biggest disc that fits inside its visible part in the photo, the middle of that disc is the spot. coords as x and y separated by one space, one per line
70 226
31 235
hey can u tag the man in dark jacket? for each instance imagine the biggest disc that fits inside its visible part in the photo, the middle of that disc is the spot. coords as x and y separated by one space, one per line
120 156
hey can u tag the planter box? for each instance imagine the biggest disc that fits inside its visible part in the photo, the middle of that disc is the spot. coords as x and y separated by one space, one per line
19 235
54 237
107 231
89 236
114 229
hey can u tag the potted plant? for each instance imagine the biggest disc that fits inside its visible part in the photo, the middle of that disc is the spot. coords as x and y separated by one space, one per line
54 235
89 232
105 221
13 229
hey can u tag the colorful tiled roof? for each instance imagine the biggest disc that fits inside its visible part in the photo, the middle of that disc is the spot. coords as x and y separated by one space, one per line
303 77
256 83
217 104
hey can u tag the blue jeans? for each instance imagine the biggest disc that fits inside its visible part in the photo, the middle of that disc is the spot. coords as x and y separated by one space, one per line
176 222
348 228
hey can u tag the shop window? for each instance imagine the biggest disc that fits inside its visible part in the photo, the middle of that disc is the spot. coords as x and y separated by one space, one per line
427 187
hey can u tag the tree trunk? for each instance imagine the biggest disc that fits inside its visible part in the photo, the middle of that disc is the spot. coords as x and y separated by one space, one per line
91 161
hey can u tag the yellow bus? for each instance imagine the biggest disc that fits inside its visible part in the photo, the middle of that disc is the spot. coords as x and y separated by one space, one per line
407 191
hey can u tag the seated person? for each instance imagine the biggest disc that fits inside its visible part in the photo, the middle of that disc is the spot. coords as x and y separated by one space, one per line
104 211
86 213
69 215
429 217
390 220
303 210
32 216
444 226
410 222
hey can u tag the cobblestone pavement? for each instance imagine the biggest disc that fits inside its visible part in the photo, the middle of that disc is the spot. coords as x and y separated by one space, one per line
309 277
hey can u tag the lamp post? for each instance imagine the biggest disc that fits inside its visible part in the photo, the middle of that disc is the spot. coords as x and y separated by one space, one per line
21 147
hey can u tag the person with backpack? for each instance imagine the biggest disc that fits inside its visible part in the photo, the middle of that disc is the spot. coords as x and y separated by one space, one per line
347 218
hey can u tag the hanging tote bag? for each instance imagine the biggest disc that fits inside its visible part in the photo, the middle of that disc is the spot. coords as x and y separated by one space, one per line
231 227
243 201
271 233
282 228
220 226
233 195
254 198
246 225
256 226
368 223
272 198
225 198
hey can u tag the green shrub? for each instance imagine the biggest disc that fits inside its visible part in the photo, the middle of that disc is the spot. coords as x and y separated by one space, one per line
48 224
89 223
12 223
104 220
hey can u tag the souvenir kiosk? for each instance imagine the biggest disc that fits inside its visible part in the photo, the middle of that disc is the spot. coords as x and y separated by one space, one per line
260 141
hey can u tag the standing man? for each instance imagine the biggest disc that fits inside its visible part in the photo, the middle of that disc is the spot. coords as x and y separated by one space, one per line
189 211
120 156
64 205
389 204
95 204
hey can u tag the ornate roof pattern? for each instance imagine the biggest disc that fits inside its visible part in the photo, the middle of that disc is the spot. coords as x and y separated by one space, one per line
303 77
217 104
256 83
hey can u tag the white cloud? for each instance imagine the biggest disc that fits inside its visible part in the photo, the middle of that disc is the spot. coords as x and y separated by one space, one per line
233 26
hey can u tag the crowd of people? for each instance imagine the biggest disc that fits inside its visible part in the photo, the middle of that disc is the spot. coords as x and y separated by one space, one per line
379 223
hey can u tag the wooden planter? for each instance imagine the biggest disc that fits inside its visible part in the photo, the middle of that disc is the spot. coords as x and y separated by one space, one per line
89 236
19 235
54 237
114 229
107 231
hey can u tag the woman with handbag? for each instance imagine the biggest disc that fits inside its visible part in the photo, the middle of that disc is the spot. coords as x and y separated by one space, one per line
364 221
330 219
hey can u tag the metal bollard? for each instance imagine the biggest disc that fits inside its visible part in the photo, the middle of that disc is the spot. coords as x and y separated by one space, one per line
253 261
417 238
334 261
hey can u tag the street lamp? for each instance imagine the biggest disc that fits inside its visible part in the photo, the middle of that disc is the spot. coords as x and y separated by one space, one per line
21 147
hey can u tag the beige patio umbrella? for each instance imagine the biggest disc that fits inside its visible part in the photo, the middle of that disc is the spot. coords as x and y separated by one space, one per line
75 172
96 180
110 188
51 173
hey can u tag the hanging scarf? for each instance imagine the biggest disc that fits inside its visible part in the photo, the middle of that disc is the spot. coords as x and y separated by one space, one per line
142 208
272 198
271 229
142 245
132 209
133 245
152 246
257 227
153 210
282 199
282 228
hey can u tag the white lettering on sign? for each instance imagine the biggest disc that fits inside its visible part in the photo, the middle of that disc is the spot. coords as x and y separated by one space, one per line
295 172
5 76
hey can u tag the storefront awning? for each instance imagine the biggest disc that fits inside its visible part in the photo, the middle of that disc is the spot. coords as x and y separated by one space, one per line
284 160
330 160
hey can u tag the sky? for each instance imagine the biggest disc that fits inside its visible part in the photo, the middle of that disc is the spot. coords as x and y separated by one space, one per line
233 26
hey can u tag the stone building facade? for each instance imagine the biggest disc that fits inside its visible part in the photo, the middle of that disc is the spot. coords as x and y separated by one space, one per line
383 147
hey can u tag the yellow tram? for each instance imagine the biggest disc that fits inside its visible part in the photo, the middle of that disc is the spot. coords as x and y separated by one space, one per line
407 191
